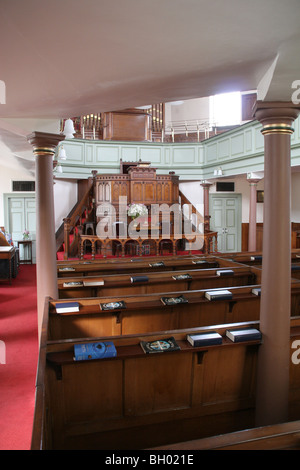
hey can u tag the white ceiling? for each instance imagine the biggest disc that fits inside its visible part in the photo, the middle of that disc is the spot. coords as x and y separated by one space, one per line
63 58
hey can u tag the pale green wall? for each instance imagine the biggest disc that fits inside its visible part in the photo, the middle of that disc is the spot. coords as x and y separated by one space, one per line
238 151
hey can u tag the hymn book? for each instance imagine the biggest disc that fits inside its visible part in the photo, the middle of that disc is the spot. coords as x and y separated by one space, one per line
174 300
134 279
218 294
243 334
205 339
225 272
89 351
67 307
95 282
159 346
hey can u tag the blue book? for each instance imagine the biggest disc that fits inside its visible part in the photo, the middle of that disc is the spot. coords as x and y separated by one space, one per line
89 351
67 307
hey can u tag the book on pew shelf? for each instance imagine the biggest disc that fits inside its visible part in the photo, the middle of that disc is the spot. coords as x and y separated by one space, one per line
73 284
159 264
98 282
243 334
182 277
224 272
66 268
160 346
199 262
218 294
256 291
205 339
256 258
67 307
89 351
174 300
134 279
113 305
295 267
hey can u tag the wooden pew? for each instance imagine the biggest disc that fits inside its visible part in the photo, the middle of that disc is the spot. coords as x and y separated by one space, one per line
283 436
146 312
150 282
132 265
135 399
140 401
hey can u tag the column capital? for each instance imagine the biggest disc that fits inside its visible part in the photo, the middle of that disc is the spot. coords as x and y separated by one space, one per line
276 116
205 184
44 143
253 181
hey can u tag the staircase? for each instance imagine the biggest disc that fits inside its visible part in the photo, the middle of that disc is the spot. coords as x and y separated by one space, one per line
210 242
68 234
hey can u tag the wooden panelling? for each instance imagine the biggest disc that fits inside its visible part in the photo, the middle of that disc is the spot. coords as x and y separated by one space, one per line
128 125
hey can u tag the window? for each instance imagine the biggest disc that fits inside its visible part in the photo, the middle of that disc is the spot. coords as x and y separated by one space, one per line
23 186
225 109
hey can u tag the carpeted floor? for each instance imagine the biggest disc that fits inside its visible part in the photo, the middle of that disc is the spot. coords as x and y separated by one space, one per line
18 330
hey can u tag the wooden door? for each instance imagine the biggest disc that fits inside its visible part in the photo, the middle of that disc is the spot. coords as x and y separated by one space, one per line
226 220
22 216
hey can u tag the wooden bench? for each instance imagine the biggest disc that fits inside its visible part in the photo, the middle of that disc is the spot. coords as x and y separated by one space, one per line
132 265
149 282
146 313
283 436
141 401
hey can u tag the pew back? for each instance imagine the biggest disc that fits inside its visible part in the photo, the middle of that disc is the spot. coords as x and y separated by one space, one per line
146 313
149 282
136 400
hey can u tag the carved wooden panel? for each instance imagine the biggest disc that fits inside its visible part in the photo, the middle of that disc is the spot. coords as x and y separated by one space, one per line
127 125
140 185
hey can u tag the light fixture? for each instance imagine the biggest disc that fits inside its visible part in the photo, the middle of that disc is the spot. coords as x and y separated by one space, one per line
62 153
59 169
218 172
69 129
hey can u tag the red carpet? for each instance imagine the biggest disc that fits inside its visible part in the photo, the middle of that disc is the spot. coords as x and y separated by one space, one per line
18 330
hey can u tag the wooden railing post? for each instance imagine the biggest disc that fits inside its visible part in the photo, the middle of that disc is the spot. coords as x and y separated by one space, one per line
67 222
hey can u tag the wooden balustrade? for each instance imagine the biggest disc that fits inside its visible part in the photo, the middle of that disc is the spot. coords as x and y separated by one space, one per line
73 224
146 246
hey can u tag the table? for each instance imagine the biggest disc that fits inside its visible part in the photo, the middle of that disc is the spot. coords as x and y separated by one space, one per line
28 246
8 253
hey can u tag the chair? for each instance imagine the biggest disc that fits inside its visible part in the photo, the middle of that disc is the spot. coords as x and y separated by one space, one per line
89 226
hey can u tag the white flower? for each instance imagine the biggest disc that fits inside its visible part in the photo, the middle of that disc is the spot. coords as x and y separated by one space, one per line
135 210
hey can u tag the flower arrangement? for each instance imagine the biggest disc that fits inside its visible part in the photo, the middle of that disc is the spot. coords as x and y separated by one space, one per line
136 210
25 234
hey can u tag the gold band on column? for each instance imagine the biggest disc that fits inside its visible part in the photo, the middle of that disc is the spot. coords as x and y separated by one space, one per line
279 128
43 151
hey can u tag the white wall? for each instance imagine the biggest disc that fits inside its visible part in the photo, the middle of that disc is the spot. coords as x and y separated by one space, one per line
7 175
189 110
65 197
194 192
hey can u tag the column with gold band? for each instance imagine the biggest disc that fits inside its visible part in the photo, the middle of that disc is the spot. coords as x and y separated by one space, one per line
44 147
280 128
272 397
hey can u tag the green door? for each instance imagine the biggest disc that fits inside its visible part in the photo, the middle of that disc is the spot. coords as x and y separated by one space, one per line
225 219
21 216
